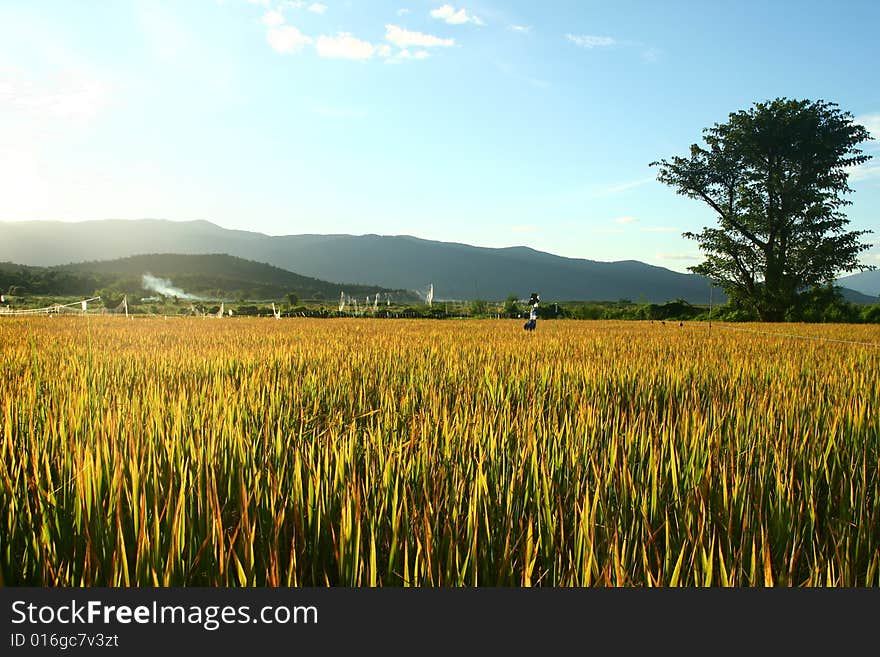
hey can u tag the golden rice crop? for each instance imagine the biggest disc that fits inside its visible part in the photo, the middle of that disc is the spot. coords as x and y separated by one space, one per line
393 452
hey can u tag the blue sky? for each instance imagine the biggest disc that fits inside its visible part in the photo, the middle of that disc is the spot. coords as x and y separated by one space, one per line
489 123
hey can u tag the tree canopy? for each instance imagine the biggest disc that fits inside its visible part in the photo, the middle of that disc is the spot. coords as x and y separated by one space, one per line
775 175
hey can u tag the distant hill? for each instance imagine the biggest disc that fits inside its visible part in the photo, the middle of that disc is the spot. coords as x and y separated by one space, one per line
457 271
855 297
210 275
866 282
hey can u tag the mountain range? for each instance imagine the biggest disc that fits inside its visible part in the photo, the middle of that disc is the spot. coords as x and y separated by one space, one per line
456 271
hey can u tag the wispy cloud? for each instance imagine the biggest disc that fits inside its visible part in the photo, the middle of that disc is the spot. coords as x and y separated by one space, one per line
387 53
317 8
514 73
652 55
261 3
537 82
403 38
591 41
678 256
455 16
403 11
623 187
872 123
869 170
343 46
625 220
522 29
407 54
73 96
864 172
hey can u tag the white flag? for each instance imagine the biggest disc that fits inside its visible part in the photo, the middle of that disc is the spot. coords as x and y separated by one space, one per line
85 305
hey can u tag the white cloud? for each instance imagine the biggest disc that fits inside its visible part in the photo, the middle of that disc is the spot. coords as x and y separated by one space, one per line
871 123
344 46
403 38
273 18
286 39
522 29
402 12
317 8
293 4
864 172
452 16
384 50
261 3
625 220
591 41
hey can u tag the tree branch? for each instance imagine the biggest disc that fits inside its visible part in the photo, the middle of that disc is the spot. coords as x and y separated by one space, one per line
742 229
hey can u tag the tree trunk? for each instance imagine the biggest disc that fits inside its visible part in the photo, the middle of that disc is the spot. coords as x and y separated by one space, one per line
771 314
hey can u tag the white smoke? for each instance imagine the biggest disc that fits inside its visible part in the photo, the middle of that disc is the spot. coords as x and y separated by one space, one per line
164 287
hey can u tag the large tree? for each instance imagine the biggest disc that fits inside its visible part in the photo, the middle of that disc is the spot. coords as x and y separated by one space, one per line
776 176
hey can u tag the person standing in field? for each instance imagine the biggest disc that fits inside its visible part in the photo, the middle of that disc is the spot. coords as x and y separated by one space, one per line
533 312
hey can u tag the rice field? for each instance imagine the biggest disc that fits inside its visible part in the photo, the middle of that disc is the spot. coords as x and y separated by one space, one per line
358 452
